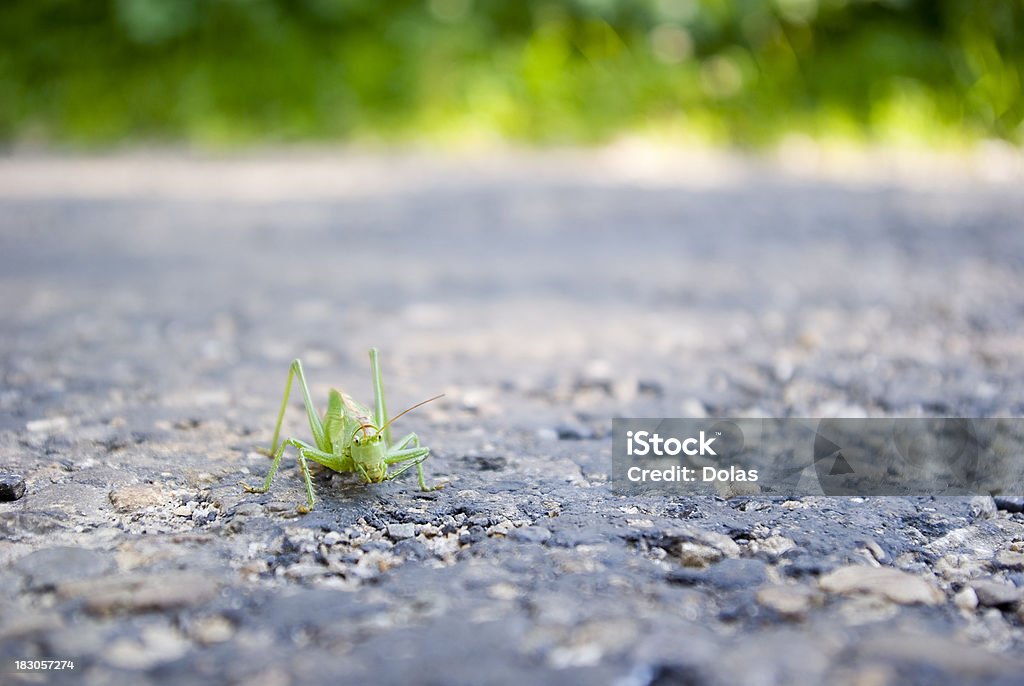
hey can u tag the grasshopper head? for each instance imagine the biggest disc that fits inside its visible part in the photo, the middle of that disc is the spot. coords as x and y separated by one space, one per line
366 440
368 452
369 446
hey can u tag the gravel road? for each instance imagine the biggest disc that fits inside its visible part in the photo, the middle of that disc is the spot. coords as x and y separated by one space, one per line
152 304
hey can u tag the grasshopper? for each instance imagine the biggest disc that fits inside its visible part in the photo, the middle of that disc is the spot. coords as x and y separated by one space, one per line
348 438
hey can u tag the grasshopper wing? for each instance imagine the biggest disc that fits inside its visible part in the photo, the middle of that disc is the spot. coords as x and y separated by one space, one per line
334 419
356 411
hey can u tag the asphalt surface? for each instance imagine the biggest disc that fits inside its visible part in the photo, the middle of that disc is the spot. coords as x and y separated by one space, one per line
152 304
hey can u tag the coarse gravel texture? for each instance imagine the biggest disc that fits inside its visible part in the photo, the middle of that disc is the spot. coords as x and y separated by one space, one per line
153 302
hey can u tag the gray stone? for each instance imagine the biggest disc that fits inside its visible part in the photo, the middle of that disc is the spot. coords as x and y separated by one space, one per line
46 568
140 592
26 523
530 534
790 600
729 574
1010 559
983 506
153 646
695 547
397 532
995 594
937 654
892 584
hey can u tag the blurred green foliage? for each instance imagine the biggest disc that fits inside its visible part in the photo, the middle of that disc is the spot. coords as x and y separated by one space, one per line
744 72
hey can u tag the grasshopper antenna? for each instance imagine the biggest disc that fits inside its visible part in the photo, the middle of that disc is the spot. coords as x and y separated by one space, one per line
363 427
407 410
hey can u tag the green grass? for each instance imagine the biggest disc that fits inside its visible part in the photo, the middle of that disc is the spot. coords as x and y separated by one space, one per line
228 72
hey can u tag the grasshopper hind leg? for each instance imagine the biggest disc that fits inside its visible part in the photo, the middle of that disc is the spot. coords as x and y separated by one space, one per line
315 425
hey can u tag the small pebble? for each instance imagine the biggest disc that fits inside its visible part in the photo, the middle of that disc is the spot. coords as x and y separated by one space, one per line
137 497
12 487
213 629
429 530
398 532
966 599
487 463
51 425
789 601
152 646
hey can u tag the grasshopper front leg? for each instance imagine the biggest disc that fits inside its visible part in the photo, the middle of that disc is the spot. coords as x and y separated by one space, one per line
302 450
408 449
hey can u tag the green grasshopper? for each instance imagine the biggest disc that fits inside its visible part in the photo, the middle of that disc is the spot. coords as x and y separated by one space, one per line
349 438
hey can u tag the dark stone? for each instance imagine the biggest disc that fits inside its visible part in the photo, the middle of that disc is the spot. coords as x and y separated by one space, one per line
674 675
650 387
806 564
411 549
12 487
487 463
574 431
479 520
473 534
1010 503
739 607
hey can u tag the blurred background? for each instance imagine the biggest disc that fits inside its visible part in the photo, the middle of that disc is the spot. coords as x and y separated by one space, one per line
466 72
